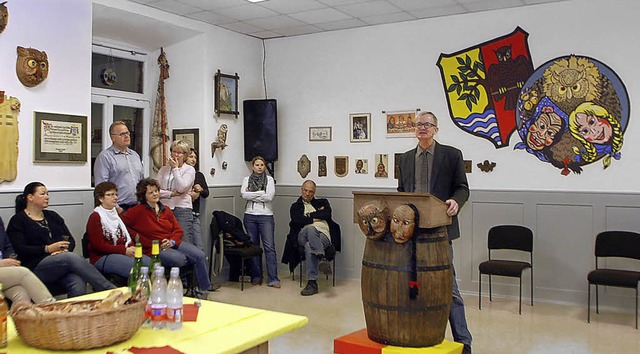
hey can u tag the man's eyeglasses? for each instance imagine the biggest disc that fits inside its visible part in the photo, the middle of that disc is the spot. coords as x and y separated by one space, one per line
123 134
425 125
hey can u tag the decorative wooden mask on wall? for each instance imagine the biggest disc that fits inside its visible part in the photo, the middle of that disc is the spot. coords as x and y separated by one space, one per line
32 66
4 16
322 166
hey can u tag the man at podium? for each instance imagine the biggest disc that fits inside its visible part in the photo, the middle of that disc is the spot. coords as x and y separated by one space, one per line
439 170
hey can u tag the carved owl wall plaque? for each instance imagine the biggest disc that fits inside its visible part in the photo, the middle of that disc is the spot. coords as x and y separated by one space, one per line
32 66
4 16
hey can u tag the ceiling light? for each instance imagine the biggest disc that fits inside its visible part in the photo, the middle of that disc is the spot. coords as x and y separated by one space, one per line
256 0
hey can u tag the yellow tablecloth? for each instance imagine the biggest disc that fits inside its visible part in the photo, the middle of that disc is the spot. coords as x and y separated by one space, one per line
221 328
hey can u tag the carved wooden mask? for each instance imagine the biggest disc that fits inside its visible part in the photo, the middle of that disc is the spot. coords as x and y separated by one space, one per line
32 66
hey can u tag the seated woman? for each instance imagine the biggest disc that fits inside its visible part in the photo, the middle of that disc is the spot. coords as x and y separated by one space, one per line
153 221
111 248
19 283
37 236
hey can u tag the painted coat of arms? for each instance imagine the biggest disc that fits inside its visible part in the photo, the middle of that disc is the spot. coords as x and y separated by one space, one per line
483 83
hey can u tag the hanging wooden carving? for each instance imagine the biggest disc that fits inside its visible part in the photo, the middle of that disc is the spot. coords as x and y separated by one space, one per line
304 166
322 166
341 165
9 109
221 143
159 136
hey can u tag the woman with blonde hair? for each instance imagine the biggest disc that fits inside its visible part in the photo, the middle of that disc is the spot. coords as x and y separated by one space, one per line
176 180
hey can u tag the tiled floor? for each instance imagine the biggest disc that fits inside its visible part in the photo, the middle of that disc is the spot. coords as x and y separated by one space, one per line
497 328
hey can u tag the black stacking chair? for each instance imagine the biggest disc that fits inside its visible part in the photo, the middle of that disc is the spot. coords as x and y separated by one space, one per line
621 244
228 250
507 237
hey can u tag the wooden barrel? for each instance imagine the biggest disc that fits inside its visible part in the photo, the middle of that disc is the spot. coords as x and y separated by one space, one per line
391 316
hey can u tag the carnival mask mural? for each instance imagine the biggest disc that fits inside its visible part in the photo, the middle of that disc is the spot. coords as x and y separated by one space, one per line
32 66
373 219
403 222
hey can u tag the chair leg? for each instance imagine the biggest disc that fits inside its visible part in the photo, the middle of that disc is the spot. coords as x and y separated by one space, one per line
636 307
520 298
242 273
479 291
490 297
334 272
597 305
589 303
301 265
531 275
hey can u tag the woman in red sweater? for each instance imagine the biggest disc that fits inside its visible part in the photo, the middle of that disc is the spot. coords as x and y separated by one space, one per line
153 221
111 245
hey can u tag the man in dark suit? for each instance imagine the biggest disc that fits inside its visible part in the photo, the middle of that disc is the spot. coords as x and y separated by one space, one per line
439 170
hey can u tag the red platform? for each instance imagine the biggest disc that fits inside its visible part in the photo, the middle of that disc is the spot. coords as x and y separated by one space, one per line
359 343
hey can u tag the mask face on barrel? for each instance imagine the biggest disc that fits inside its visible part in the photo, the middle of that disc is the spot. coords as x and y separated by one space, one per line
373 219
403 222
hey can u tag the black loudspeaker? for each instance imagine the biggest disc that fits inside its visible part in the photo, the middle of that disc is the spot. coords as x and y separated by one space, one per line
260 129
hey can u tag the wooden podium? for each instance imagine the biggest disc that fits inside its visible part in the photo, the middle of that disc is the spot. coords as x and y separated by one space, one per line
433 211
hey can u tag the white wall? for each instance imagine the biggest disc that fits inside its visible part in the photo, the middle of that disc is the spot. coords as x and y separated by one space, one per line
319 79
63 30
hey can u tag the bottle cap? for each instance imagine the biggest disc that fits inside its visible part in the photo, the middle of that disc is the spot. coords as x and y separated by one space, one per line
175 271
144 270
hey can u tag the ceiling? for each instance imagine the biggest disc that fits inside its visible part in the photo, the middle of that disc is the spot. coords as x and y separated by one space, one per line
276 18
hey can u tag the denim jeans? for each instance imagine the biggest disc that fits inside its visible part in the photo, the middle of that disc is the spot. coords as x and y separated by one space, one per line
185 254
457 318
263 227
314 243
71 271
118 264
194 236
185 219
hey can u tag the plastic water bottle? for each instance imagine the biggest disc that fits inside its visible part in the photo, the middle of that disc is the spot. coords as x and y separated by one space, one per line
159 299
174 300
144 285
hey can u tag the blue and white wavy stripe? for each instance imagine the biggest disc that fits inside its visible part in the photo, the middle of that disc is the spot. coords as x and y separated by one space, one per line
484 124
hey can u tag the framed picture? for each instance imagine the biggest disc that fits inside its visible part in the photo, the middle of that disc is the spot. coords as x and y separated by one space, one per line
226 94
400 124
360 127
320 133
60 138
382 166
192 137
362 166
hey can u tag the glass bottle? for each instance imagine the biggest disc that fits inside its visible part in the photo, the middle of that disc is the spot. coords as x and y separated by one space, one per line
134 274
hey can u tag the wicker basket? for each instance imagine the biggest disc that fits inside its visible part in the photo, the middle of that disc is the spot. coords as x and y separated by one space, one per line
82 329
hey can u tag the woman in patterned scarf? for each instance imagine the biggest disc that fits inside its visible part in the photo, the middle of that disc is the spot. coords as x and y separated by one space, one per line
258 190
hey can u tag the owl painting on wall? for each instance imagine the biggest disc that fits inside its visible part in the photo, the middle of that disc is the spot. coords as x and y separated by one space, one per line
32 66
590 104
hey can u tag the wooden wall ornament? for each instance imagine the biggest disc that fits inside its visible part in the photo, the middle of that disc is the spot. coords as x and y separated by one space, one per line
4 16
341 165
322 166
373 219
304 166
9 110
486 166
32 66
221 143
